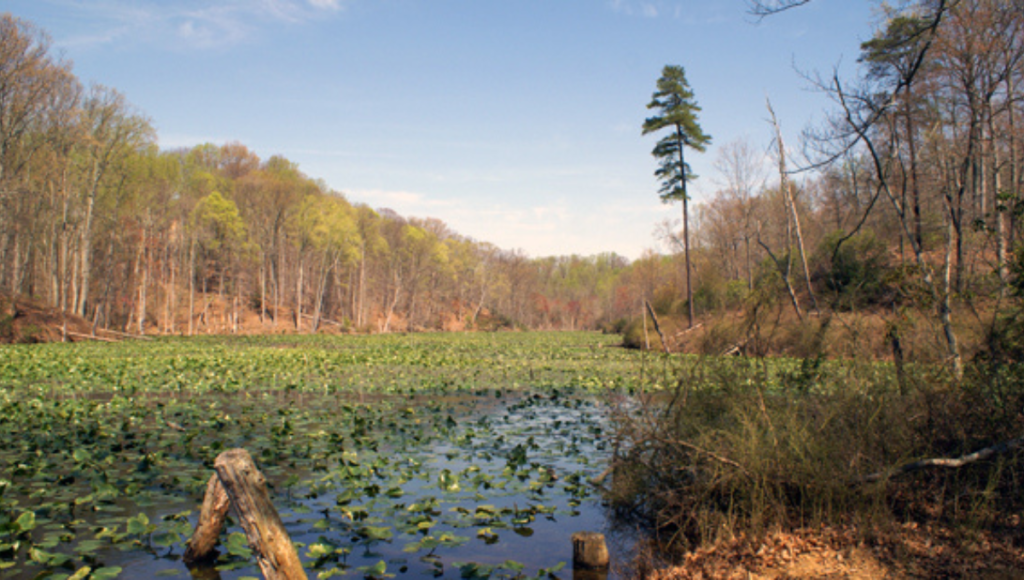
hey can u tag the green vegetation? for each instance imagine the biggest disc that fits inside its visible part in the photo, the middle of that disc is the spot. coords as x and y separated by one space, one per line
385 453
741 447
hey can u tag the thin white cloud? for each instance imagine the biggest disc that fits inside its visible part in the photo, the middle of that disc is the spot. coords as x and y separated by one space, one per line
212 28
198 24
620 6
688 12
326 4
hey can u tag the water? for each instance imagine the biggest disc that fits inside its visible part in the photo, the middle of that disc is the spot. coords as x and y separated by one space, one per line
497 491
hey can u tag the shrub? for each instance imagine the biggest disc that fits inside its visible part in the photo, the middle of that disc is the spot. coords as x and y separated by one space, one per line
667 301
742 446
855 272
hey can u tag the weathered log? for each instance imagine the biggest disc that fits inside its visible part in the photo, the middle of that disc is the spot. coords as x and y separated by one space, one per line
589 551
211 522
269 541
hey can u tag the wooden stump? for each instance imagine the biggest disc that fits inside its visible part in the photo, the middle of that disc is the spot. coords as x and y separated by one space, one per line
267 537
211 522
589 551
238 483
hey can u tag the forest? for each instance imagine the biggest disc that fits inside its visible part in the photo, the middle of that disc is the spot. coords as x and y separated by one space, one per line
871 278
902 210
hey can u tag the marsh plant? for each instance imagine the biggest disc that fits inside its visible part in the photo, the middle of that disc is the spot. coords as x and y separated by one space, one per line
745 446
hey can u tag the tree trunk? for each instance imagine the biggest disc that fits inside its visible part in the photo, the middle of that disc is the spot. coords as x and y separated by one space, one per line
394 302
275 278
86 250
915 189
1001 242
360 317
686 225
787 195
298 299
945 309
144 267
191 287
321 288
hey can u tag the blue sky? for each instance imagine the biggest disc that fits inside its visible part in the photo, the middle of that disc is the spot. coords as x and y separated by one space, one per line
516 122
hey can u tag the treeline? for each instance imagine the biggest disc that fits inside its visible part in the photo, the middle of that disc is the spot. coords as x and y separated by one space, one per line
909 194
99 222
912 204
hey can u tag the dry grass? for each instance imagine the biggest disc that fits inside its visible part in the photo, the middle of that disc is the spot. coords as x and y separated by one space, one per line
745 449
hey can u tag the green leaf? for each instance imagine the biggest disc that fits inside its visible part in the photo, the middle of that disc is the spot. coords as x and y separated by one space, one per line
166 539
139 524
26 522
238 545
378 532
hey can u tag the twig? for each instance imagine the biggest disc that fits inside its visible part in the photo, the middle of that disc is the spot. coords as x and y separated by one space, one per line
709 454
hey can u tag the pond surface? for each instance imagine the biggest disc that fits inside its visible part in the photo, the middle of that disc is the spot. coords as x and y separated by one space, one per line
467 456
498 494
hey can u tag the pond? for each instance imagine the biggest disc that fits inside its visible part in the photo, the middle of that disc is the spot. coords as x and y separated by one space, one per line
470 472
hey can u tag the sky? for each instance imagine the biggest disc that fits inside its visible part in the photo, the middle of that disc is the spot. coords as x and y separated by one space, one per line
516 122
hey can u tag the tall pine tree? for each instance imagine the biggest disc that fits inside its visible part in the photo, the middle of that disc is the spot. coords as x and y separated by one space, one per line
676 111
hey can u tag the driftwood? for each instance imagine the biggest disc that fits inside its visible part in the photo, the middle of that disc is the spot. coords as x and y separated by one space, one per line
952 463
238 480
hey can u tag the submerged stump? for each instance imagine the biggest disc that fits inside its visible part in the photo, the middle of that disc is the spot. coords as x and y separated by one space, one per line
240 484
589 551
202 546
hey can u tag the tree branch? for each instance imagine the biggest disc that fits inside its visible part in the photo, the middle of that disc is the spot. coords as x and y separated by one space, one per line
764 8
953 463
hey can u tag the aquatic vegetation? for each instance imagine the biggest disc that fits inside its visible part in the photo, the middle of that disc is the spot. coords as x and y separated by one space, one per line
453 455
